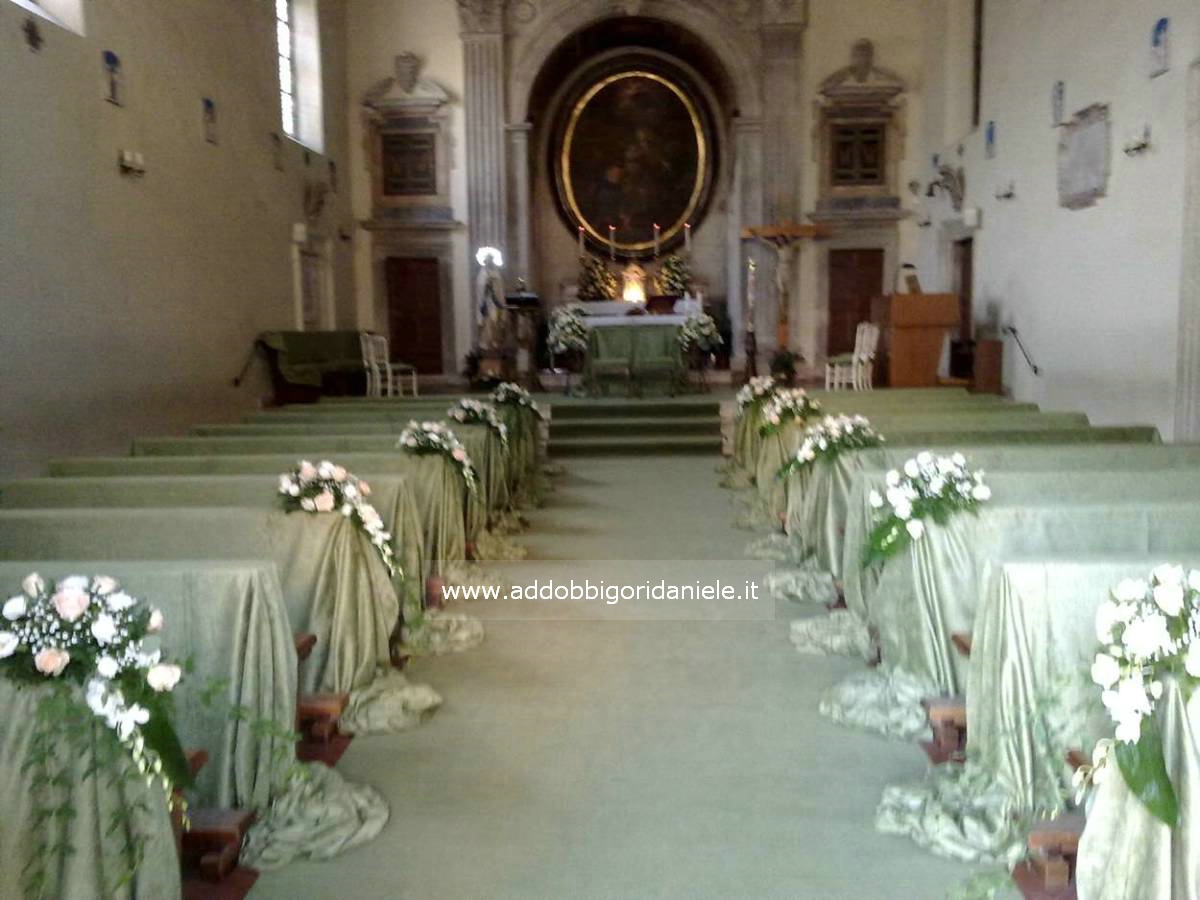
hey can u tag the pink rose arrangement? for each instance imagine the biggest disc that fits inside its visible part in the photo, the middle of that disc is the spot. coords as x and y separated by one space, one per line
434 437
87 636
326 488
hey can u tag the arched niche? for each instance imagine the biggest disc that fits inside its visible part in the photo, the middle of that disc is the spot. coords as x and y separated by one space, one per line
578 62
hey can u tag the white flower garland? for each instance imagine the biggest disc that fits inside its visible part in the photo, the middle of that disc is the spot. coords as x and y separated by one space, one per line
434 437
506 393
326 488
476 412
568 330
700 331
927 487
783 406
91 632
828 438
753 391
1149 630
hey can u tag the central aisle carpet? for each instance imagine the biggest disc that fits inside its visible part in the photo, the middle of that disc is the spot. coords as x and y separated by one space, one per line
587 751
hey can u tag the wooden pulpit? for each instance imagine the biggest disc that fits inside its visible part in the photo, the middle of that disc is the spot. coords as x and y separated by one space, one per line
913 328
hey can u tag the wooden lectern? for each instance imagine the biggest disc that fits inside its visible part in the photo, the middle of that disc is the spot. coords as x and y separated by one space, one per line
913 328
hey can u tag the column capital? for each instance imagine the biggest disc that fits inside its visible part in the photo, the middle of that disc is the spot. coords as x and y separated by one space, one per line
481 16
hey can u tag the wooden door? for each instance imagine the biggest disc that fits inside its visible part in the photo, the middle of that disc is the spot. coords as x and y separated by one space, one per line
855 277
964 275
415 312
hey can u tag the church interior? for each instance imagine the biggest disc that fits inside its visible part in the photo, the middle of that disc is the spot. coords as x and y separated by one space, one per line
600 448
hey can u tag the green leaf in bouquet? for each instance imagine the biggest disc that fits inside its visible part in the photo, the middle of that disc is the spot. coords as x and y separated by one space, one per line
161 738
1145 772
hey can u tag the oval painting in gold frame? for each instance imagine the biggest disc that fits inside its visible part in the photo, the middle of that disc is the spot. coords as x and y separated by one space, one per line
634 152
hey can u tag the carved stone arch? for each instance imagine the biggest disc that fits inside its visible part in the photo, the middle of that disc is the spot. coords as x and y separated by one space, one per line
732 46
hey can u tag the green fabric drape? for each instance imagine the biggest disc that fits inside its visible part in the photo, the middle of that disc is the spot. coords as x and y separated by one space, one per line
931 591
435 489
229 619
1125 851
1029 700
95 865
334 583
818 515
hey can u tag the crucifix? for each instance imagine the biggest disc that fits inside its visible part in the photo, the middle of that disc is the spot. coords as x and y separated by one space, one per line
784 240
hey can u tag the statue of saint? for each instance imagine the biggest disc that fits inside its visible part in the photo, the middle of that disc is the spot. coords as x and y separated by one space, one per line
491 321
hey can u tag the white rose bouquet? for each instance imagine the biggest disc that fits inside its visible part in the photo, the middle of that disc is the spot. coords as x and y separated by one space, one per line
434 437
699 331
1148 631
753 392
783 406
326 488
475 412
508 394
568 330
828 438
927 487
88 637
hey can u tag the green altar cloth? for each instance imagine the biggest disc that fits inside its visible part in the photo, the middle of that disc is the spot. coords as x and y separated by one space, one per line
436 488
634 348
95 864
334 583
229 619
1029 700
817 516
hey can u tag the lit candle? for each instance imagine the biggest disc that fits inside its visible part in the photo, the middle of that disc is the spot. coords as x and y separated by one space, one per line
657 235
581 240
687 237
751 279
612 241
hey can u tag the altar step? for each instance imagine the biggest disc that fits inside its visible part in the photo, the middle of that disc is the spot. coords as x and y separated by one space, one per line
572 409
615 445
610 426
567 427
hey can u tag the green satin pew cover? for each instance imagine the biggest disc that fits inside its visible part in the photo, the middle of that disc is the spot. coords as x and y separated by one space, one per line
334 583
932 590
817 516
228 618
1030 699
776 449
95 865
436 488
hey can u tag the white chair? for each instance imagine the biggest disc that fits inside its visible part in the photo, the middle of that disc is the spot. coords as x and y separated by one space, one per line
855 370
385 376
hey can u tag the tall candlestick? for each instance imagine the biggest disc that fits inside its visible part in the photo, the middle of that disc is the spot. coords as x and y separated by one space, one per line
581 240
657 236
687 237
751 280
612 242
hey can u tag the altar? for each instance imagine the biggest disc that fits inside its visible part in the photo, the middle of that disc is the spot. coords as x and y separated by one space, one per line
633 348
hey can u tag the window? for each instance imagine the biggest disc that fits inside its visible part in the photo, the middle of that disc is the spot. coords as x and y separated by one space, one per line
977 66
286 44
65 13
298 52
857 156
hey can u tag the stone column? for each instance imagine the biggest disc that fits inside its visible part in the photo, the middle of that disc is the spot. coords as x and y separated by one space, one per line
1187 388
483 107
746 209
518 222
